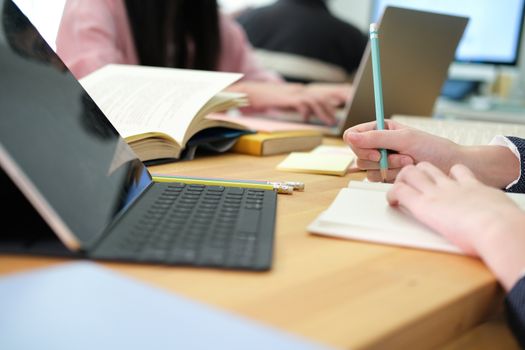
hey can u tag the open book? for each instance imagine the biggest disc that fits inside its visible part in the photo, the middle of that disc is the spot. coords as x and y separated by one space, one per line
361 212
159 110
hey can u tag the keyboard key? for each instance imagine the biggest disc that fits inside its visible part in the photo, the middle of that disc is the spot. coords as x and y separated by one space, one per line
249 221
235 191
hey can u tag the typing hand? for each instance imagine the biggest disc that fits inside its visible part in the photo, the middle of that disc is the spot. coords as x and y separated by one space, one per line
290 97
407 145
481 220
337 94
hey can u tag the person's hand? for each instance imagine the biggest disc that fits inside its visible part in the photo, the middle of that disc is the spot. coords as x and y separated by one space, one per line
494 165
481 220
409 146
289 97
337 94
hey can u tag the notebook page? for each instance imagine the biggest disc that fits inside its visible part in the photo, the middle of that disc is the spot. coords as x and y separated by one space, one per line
371 186
361 212
366 215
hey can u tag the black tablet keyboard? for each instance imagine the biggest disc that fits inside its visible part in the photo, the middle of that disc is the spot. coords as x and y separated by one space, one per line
227 227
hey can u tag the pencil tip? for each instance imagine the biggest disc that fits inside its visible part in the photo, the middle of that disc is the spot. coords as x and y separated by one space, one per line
383 174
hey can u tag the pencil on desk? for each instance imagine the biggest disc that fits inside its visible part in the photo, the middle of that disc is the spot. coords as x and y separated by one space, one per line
378 94
277 187
296 185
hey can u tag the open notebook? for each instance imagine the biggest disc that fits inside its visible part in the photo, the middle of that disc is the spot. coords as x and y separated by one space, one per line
361 212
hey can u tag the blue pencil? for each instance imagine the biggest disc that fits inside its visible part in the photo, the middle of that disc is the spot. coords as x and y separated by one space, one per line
378 94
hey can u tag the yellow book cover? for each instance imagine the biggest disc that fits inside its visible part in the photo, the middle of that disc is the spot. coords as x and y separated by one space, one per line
269 143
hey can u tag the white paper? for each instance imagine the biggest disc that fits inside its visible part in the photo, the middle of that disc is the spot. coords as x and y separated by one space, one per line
362 212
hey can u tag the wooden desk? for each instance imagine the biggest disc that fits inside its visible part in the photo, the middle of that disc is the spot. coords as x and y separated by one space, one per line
341 293
493 334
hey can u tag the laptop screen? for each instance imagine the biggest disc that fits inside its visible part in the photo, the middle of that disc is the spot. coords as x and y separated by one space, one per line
55 143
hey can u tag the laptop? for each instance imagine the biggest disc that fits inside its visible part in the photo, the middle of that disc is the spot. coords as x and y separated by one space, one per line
60 157
416 49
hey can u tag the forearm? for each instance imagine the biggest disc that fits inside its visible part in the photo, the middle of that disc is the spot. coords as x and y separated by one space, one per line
267 95
250 89
495 166
500 246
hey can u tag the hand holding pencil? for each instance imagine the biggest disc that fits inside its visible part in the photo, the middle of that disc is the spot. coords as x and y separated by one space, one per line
407 145
370 141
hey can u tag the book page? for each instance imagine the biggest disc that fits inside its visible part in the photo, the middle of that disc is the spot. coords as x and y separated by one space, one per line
138 99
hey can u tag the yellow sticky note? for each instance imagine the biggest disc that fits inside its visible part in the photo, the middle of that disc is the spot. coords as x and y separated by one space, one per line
326 149
330 164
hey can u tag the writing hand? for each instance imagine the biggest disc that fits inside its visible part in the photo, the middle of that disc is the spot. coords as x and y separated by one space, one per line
409 146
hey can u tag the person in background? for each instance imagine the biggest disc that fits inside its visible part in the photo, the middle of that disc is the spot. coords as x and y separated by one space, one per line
304 41
467 206
183 34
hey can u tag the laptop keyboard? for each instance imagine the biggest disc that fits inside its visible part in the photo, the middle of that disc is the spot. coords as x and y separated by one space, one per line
204 225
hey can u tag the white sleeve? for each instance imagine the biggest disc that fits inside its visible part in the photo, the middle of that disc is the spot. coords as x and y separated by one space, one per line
500 140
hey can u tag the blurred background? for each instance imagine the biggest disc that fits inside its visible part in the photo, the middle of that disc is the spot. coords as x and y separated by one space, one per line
488 75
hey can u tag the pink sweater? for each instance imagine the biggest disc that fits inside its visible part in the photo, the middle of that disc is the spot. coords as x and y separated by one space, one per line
94 33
